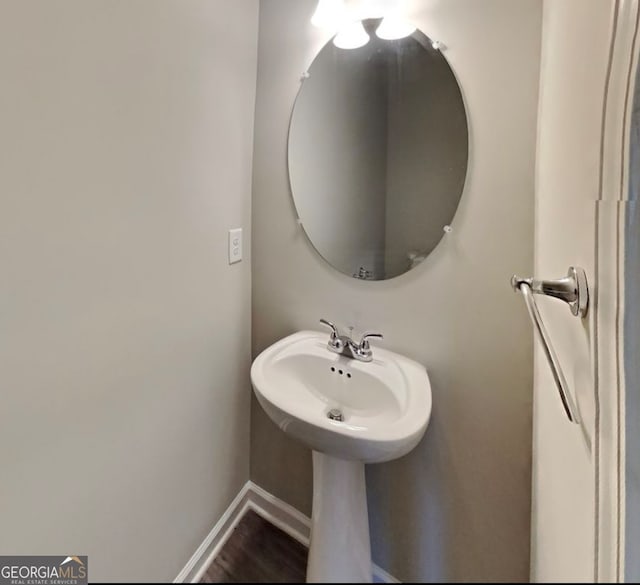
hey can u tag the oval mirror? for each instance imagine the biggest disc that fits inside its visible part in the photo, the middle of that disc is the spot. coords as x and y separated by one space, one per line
378 148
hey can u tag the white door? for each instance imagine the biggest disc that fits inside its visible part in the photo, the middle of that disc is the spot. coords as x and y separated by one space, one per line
578 521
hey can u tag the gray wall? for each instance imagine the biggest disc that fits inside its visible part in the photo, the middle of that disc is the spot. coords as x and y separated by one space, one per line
125 155
564 468
458 507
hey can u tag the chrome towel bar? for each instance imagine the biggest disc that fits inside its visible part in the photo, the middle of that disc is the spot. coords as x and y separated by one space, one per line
573 290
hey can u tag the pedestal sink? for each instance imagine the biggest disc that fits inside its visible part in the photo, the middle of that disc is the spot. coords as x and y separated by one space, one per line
349 413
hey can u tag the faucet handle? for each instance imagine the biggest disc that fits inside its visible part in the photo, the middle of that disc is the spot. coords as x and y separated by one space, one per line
335 341
364 342
334 330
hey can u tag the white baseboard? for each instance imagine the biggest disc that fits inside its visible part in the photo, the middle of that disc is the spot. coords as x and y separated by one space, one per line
197 565
381 576
280 514
272 509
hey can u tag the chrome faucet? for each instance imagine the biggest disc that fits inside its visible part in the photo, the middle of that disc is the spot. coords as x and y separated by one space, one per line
344 345
363 273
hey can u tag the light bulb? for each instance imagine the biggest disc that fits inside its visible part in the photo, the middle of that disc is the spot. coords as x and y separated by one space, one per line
376 8
394 27
329 14
351 36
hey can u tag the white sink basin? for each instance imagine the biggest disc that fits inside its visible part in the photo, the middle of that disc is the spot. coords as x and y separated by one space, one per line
385 406
385 403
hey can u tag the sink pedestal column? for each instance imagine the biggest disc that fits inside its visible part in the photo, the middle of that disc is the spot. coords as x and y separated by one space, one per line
339 551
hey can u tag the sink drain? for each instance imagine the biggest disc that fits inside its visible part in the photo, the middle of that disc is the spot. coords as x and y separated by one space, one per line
335 414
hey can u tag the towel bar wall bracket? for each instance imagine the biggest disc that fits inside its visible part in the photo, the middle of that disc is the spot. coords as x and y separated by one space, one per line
573 290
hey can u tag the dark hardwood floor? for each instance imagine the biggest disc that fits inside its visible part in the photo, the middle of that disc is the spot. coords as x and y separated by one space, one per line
258 552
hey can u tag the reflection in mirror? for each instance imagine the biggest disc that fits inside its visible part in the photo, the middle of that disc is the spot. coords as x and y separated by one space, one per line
378 152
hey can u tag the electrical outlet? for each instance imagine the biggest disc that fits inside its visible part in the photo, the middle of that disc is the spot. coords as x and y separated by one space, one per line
235 245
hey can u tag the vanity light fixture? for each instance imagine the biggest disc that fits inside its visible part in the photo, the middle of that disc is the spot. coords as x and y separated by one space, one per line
373 8
394 26
351 36
329 14
346 16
